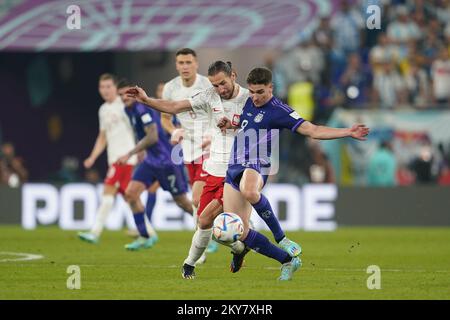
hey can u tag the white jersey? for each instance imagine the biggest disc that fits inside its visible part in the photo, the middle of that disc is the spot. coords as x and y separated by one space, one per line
119 133
221 144
194 122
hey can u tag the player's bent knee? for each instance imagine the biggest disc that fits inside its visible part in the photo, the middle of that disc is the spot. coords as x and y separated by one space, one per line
251 195
205 221
131 195
196 201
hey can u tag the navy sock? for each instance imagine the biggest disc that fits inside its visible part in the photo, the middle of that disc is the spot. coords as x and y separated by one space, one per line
265 211
139 219
151 201
262 245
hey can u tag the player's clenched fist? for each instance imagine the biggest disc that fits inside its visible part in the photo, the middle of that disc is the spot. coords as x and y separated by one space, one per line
123 159
88 163
224 124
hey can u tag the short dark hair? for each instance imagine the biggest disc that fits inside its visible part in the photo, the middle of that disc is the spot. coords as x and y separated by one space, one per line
259 75
220 66
108 76
123 83
186 51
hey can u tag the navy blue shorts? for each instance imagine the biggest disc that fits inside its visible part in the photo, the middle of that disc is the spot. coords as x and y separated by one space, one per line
171 177
235 172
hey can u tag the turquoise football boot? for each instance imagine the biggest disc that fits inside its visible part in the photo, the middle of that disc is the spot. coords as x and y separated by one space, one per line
213 247
88 237
140 243
154 239
292 248
288 268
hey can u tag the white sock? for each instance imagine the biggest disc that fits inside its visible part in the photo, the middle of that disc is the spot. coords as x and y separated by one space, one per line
151 231
236 247
195 216
199 243
103 211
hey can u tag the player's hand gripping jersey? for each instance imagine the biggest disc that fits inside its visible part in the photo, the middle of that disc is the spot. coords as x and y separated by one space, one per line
222 143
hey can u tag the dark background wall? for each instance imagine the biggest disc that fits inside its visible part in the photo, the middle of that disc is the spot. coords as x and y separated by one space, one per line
397 206
51 91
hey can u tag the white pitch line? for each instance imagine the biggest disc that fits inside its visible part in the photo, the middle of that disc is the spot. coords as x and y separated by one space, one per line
266 268
22 256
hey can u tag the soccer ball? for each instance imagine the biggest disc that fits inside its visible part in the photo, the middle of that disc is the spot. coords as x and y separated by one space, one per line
227 227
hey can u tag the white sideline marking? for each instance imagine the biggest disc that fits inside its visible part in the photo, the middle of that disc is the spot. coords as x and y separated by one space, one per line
267 268
22 256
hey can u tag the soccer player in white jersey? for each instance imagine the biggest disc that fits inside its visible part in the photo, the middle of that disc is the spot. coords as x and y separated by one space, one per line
233 97
116 135
194 123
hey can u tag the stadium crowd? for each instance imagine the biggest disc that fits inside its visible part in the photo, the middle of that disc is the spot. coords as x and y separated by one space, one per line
340 63
404 64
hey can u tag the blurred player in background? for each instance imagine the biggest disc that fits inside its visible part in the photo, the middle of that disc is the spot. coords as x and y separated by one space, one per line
194 123
157 166
249 167
116 135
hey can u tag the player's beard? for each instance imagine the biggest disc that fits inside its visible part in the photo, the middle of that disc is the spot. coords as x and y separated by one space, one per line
230 95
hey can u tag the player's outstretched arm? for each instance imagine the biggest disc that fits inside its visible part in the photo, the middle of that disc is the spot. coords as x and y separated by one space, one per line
99 147
357 131
161 105
151 137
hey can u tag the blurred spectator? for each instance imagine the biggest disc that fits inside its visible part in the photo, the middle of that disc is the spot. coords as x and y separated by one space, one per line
442 10
323 35
323 38
383 52
355 82
68 172
92 176
423 164
381 171
299 70
440 75
305 62
320 170
430 48
423 8
12 169
447 33
278 80
417 84
348 25
327 98
403 29
389 87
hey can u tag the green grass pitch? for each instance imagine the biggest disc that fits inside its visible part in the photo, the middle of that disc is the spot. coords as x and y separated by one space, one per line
414 263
